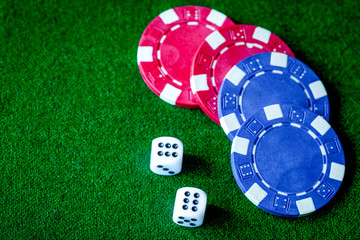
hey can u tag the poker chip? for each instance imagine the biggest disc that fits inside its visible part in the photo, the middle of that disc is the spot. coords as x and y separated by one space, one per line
287 160
167 48
265 79
220 51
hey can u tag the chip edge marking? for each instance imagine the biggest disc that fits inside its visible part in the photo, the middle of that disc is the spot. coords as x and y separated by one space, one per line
337 171
256 194
169 16
170 94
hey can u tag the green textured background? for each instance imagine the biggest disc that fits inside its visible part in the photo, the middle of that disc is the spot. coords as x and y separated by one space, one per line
77 122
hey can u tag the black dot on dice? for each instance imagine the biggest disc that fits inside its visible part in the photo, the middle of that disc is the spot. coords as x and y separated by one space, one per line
175 154
167 154
186 200
186 220
159 166
175 146
168 145
195 202
194 219
192 224
180 222
165 169
160 153
187 193
171 172
181 218
161 144
196 195
194 209
185 207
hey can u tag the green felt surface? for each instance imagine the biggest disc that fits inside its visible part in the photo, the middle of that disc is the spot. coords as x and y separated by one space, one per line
77 122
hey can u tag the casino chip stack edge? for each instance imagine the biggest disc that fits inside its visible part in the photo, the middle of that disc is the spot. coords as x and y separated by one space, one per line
285 156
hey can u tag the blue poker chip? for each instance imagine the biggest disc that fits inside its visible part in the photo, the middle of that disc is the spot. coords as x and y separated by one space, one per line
287 160
264 79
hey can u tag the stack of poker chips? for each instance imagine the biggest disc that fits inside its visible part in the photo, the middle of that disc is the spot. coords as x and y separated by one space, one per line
285 156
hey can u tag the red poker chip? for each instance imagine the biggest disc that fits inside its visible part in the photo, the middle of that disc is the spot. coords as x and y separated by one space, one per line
220 51
167 48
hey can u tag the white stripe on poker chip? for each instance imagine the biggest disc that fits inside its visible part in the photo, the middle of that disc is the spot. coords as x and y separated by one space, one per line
177 82
164 70
273 112
144 54
229 123
216 17
258 46
262 35
239 43
175 27
215 39
312 134
318 90
278 59
199 83
324 168
255 167
169 16
249 45
320 125
282 193
295 125
305 206
259 73
256 194
322 149
192 23
253 151
261 134
265 183
213 81
307 95
170 94
223 50
214 64
294 78
316 184
162 39
337 171
277 71
235 75
240 145
210 27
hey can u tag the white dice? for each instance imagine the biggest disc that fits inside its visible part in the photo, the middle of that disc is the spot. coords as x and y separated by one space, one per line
190 206
166 156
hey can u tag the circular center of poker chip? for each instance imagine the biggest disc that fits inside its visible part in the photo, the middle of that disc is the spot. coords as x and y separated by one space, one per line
288 159
271 88
178 49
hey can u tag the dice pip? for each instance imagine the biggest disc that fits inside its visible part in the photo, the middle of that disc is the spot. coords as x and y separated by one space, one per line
166 156
189 207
